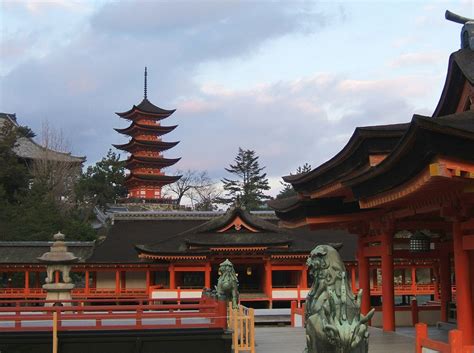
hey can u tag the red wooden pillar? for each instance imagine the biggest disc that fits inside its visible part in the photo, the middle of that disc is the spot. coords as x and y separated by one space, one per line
147 280
123 279
463 289
375 278
56 276
117 281
27 281
353 279
435 282
86 279
364 277
388 293
445 283
268 279
413 279
304 278
207 275
172 276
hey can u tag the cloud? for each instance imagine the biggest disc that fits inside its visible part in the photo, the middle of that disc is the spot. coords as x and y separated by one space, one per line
414 59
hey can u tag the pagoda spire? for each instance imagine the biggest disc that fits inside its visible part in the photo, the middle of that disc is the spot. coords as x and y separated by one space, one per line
145 85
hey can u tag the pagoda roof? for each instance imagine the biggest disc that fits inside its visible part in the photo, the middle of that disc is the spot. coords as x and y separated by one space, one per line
147 108
157 145
158 179
365 141
448 136
460 70
152 161
156 130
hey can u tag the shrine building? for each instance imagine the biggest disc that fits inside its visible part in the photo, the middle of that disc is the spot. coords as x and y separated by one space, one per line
406 193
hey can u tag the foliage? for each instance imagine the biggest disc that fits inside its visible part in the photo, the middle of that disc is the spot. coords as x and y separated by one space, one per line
288 190
13 172
206 198
28 208
250 184
103 182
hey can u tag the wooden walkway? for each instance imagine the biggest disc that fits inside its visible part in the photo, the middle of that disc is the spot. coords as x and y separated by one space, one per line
287 339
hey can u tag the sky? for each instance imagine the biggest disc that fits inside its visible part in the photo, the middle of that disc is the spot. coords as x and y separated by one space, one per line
290 80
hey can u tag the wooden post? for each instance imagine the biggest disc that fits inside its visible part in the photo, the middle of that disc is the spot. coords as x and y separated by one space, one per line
463 289
207 275
364 277
436 283
117 282
388 293
456 341
445 283
55 331
268 280
414 311
86 278
147 280
27 282
252 330
292 313
172 276
413 279
56 276
304 277
353 279
421 333
123 280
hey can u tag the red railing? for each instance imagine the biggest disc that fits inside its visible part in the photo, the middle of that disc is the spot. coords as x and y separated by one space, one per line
454 345
24 316
40 293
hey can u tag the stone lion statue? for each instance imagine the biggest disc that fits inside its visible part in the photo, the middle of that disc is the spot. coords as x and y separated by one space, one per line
228 285
334 323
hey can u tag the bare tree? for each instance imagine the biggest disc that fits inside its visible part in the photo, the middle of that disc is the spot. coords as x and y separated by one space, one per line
187 185
206 197
53 167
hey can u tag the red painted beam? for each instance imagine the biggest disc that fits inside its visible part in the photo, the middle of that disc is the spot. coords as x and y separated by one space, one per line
468 242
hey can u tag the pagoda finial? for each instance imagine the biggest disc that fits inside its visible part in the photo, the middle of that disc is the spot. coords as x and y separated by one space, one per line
145 83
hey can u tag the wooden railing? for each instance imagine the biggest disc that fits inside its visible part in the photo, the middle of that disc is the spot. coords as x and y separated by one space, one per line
73 316
40 293
242 323
297 314
454 345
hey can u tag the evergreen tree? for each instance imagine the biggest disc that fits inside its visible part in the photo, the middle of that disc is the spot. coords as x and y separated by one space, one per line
250 184
103 183
14 176
288 190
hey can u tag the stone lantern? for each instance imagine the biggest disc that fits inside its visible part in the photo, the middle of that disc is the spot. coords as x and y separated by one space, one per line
58 259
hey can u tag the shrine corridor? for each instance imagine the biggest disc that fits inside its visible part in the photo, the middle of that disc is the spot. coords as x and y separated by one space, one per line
288 339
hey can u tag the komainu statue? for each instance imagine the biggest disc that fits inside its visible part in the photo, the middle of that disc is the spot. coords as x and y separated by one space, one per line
228 285
334 323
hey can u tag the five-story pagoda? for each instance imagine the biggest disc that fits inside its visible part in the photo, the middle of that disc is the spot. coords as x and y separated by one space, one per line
146 147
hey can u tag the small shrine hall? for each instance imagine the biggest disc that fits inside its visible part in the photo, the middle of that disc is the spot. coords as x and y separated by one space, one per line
406 192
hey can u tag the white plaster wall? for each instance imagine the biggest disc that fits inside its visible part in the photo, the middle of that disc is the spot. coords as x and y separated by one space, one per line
106 280
429 317
135 280
402 318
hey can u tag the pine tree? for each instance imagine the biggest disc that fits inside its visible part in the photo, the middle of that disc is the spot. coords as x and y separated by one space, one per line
251 183
288 190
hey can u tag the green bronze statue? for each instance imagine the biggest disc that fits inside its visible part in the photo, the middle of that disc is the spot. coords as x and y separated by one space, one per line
334 323
228 285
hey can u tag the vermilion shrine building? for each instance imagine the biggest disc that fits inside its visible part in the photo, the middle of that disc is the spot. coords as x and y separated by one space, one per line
392 179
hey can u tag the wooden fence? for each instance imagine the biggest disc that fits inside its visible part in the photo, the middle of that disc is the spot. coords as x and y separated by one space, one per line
454 345
242 323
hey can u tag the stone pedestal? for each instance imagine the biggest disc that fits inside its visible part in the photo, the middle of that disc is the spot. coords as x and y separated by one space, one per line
59 292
